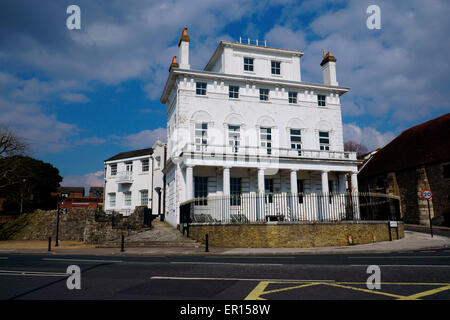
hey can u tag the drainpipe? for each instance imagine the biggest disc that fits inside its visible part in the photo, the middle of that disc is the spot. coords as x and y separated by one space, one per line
163 215
151 189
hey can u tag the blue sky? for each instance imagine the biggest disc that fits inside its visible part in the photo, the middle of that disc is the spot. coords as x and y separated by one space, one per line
80 96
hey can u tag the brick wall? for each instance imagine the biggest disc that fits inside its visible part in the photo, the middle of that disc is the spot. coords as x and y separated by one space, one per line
298 235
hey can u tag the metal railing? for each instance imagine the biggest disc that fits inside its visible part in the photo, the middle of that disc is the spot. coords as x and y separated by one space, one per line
288 207
213 150
124 177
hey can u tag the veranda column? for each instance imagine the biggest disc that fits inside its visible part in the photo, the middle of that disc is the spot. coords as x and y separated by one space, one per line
355 195
189 182
226 181
260 195
325 182
294 196
324 203
226 195
342 196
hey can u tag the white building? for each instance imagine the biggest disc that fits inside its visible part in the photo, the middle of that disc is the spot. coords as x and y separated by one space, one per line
135 178
247 124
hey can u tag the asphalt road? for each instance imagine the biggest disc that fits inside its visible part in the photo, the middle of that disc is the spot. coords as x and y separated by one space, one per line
416 275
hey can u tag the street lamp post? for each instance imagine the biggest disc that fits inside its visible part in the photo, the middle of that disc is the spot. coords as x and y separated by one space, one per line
158 190
21 195
57 226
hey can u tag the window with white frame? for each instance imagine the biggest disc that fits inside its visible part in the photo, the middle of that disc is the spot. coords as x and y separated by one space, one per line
296 140
234 137
300 190
129 166
264 94
127 198
248 64
235 191
201 191
276 67
266 139
233 92
292 97
321 100
112 199
268 190
201 136
113 169
324 140
144 197
145 165
201 88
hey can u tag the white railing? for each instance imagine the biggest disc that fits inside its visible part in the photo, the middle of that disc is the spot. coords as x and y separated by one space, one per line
124 177
251 151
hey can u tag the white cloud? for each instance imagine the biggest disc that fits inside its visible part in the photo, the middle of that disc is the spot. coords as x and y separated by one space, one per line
285 38
75 97
142 139
368 136
92 179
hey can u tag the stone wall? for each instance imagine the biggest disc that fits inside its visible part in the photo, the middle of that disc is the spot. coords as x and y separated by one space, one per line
408 184
79 224
293 235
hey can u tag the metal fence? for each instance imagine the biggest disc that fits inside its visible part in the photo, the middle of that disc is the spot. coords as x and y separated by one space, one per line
254 208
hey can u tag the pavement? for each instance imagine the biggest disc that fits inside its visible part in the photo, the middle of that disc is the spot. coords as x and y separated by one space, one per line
412 241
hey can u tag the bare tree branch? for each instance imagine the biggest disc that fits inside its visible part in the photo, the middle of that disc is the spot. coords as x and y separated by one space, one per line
11 144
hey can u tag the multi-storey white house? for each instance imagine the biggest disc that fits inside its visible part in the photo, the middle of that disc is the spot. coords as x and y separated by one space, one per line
247 124
135 178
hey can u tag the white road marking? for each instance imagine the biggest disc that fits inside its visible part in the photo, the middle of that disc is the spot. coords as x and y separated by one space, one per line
229 264
406 265
236 279
400 257
32 273
81 260
248 257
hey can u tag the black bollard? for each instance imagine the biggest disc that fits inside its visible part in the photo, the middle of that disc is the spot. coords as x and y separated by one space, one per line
122 247
49 243
206 243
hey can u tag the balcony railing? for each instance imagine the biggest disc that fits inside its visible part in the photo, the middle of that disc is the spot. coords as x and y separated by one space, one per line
212 150
124 177
289 207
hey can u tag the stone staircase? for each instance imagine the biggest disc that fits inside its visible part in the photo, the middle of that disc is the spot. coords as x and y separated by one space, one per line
160 235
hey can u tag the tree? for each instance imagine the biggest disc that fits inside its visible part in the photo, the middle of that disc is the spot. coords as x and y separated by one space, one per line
10 143
30 183
355 147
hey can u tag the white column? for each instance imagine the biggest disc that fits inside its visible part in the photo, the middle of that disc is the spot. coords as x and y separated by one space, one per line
356 213
260 212
226 181
189 182
294 196
325 182
354 181
324 204
225 205
294 189
261 188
